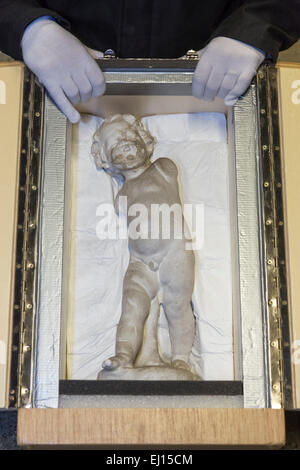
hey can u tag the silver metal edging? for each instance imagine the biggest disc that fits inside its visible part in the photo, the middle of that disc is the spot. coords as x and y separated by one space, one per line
249 240
148 83
46 379
148 77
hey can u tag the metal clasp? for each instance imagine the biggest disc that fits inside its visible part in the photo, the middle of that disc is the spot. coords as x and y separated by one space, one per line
191 54
109 54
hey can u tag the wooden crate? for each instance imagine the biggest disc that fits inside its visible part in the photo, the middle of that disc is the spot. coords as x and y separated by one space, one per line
151 427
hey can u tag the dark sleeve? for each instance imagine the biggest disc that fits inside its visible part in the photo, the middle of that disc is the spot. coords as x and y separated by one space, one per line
15 15
270 25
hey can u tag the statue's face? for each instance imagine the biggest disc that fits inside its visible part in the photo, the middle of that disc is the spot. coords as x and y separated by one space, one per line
124 146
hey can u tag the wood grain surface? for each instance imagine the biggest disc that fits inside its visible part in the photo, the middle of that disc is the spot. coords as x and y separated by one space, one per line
11 87
154 426
289 94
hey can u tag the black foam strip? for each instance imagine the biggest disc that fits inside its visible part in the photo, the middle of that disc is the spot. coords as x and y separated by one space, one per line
149 387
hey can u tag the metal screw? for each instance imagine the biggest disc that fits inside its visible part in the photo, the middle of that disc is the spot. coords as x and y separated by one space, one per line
37 114
27 348
272 302
262 111
36 150
109 53
261 75
29 306
264 147
30 266
269 261
266 184
274 344
18 266
276 147
32 225
268 221
284 302
280 222
33 187
275 387
25 391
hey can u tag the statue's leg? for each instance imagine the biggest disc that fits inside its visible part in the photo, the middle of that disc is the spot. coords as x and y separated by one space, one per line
139 288
177 281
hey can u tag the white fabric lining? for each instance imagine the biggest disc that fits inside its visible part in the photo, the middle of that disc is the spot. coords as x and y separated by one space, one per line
197 143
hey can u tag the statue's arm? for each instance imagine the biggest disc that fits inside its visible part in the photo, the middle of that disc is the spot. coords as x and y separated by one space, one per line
116 204
119 207
167 168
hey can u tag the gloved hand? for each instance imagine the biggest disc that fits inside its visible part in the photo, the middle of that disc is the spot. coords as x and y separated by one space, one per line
225 69
62 64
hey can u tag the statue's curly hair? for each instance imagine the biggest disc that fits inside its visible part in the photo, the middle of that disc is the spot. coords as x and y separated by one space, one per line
98 151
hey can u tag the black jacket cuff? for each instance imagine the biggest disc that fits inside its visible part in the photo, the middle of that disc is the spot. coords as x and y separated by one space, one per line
12 32
271 28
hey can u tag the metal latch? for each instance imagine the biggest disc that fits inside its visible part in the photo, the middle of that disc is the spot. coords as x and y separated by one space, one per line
191 54
109 54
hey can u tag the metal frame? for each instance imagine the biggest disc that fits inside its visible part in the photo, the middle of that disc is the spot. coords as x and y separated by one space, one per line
25 289
278 353
260 223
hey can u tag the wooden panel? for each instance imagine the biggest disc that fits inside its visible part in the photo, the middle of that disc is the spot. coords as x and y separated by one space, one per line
289 83
11 84
156 426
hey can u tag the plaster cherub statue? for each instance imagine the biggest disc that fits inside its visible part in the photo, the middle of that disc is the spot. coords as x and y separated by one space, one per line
158 268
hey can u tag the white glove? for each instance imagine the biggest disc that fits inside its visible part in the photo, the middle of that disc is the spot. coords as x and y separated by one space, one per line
225 69
62 64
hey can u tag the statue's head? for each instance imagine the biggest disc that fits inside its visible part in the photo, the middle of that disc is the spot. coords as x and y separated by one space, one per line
122 143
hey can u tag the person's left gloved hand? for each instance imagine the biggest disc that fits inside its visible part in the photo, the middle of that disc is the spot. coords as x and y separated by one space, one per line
225 69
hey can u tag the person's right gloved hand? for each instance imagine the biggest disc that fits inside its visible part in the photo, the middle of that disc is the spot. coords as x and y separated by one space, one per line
62 64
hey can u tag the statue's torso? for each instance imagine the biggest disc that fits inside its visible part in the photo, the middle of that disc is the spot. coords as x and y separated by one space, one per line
154 210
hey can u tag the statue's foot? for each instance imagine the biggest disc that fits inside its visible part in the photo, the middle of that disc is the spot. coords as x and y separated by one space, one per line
116 361
180 364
